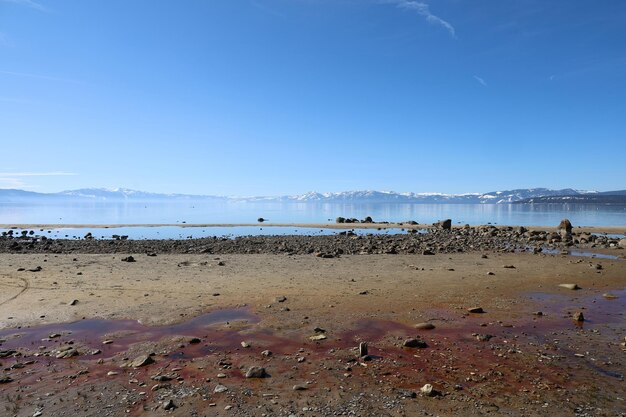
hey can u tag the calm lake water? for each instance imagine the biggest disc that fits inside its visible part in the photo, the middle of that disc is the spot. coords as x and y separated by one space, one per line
150 212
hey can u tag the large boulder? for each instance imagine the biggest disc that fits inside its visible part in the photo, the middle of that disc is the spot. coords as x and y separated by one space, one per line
565 230
565 225
444 224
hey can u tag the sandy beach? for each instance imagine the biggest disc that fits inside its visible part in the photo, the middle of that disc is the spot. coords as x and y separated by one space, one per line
96 333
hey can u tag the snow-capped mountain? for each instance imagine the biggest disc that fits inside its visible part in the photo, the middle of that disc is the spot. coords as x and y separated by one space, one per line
128 194
123 194
494 197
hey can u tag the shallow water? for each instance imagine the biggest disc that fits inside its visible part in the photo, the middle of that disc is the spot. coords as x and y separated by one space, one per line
180 232
203 212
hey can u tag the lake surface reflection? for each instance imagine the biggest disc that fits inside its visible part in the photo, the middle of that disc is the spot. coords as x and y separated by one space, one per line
203 212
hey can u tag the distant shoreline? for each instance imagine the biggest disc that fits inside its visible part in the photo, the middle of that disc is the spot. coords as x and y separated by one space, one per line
337 226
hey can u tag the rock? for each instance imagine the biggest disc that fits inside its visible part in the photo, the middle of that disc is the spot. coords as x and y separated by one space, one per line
318 337
221 376
38 413
508 266
444 224
220 388
260 220
319 330
340 220
128 259
484 337
566 226
579 317
281 299
66 352
7 353
476 310
73 302
245 345
195 340
405 393
622 243
266 353
53 335
5 379
363 349
107 342
570 286
256 372
162 378
429 391
299 387
168 405
112 373
142 360
36 269
424 326
427 252
414 343
368 219
609 296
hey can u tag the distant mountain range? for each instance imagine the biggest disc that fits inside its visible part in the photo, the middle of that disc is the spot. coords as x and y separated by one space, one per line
522 196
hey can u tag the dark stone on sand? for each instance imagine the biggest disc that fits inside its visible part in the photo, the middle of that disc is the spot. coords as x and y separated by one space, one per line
169 405
476 310
565 225
128 259
404 393
256 372
5 379
363 349
444 224
260 220
579 317
7 353
414 343
142 360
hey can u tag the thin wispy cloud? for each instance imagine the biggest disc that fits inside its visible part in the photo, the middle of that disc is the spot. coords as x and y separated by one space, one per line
20 179
35 174
28 3
423 10
480 80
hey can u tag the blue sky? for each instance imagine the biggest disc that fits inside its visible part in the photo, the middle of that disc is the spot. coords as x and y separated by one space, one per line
270 97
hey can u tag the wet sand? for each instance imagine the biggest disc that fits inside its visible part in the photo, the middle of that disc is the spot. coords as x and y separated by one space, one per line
508 360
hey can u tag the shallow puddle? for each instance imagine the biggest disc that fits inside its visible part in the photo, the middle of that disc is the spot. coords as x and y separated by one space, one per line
122 333
575 252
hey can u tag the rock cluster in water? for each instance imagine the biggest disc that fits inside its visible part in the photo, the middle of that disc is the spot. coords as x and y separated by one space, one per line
436 240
